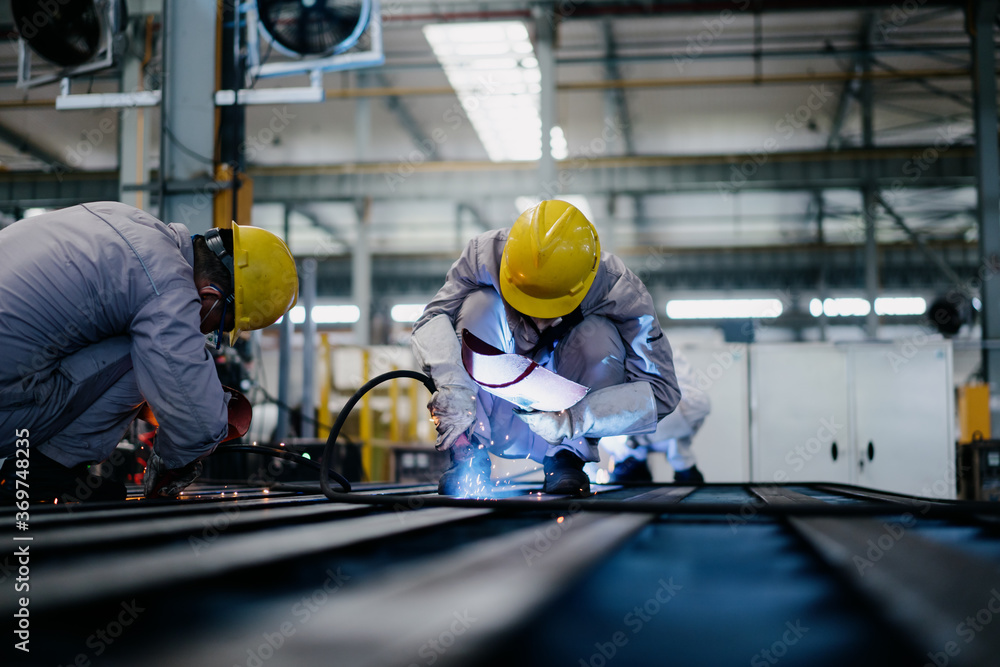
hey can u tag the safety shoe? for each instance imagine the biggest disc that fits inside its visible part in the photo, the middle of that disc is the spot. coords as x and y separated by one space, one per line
631 470
469 472
564 475
689 476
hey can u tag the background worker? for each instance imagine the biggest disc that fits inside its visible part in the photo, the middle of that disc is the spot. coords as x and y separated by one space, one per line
102 308
673 436
544 289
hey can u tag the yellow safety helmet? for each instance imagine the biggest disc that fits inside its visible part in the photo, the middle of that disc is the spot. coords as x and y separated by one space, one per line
265 282
550 260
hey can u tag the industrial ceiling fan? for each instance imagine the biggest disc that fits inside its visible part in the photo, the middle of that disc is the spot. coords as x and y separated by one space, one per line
314 27
71 36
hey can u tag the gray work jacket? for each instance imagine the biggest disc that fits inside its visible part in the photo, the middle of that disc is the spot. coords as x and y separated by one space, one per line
74 277
616 294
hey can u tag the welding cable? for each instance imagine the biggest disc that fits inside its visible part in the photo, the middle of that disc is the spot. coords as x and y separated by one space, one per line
325 472
274 452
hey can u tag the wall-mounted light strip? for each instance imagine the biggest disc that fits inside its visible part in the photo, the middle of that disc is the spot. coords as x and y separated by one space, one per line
712 309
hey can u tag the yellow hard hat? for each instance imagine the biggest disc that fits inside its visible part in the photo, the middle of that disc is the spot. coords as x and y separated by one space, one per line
265 282
550 260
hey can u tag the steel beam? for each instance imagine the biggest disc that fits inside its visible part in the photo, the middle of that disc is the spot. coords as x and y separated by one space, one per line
137 569
24 145
308 273
547 186
987 165
415 602
187 138
894 168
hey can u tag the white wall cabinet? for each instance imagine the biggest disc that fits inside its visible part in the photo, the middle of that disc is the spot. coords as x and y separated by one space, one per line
878 415
722 445
800 412
903 403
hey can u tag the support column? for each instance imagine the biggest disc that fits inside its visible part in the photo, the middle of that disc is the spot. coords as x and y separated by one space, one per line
984 86
869 193
361 257
545 38
868 197
133 127
308 273
285 354
187 139
361 274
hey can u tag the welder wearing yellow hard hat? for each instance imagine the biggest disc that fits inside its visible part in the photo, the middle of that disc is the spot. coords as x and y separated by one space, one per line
103 310
544 289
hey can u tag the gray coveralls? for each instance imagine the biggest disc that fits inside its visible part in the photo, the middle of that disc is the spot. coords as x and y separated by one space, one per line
98 313
618 341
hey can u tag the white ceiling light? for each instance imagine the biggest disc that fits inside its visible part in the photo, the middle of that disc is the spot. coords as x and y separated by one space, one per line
328 314
898 305
407 312
840 307
494 72
711 309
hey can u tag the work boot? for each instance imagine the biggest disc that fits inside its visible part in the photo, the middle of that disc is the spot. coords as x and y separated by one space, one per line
564 475
51 480
689 476
631 470
469 472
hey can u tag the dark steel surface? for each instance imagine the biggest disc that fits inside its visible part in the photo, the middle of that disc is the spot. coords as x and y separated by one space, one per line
385 577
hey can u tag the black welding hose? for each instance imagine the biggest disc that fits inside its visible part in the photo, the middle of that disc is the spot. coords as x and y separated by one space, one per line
325 472
275 452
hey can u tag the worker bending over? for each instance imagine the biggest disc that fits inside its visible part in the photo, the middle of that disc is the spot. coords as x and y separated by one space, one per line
102 308
672 436
544 289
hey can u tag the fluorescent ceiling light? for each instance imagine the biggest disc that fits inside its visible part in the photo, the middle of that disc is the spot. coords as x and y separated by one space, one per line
698 309
329 314
893 305
840 307
407 312
494 72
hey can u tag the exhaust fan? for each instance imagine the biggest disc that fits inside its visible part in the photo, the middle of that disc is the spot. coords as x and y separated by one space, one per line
314 27
73 36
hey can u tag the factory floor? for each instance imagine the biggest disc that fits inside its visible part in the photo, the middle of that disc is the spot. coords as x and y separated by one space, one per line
722 574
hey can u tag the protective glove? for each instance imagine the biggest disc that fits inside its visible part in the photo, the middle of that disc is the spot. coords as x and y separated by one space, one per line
624 409
439 354
160 481
453 410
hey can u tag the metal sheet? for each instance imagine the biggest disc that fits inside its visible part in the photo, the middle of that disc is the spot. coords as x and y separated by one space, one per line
517 379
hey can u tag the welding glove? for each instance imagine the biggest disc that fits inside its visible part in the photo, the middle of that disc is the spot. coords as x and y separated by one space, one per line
160 481
453 406
624 409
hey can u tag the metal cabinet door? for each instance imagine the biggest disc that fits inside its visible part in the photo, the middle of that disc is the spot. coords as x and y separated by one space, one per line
722 445
903 404
799 413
